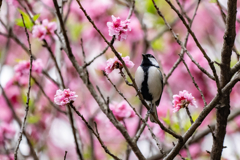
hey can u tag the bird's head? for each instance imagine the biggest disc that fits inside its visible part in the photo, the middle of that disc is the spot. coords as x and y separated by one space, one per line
150 60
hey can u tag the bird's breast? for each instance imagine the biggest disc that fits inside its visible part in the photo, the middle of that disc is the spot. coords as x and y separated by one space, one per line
154 83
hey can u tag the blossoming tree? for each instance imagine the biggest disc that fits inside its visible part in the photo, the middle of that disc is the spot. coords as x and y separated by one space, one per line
68 89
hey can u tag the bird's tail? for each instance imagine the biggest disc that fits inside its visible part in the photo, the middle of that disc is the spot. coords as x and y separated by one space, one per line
154 110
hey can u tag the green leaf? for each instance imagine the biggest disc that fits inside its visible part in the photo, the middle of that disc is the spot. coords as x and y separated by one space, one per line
27 20
36 17
213 1
150 7
33 119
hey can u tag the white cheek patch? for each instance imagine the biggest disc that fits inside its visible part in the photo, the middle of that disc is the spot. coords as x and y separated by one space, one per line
153 60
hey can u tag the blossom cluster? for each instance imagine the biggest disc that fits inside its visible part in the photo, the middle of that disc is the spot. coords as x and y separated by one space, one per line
114 63
64 97
183 100
22 68
42 30
119 28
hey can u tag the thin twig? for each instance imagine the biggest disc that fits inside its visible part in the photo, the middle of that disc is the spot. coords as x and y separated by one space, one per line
32 152
183 11
83 52
224 20
22 45
131 9
74 132
41 88
196 41
141 129
28 95
194 82
65 155
55 61
68 11
212 131
95 133
70 53
102 53
185 44
189 115
180 43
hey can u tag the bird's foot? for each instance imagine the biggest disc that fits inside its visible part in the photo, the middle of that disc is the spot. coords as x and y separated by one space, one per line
138 91
150 111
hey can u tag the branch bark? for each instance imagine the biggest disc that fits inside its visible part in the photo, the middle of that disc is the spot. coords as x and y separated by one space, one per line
224 110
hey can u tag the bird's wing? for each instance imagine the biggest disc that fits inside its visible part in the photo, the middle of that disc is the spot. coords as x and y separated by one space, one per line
161 79
154 83
139 77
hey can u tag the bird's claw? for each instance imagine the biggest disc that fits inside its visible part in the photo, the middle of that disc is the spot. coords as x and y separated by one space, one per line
150 110
138 91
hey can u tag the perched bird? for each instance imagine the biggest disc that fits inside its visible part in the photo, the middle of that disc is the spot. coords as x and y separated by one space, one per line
149 80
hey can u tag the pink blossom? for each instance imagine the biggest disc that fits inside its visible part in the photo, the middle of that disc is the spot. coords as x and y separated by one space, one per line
39 31
42 30
50 26
194 149
22 68
64 97
122 110
6 131
5 113
7 157
119 28
114 63
183 100
37 66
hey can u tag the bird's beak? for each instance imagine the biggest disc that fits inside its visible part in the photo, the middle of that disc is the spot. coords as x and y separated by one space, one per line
143 55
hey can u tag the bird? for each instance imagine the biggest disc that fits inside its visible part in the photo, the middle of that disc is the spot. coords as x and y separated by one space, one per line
149 81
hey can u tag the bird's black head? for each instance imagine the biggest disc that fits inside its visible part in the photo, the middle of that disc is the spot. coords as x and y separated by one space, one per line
149 60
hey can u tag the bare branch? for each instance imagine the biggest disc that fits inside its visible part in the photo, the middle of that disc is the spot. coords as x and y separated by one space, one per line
90 87
180 43
185 44
194 82
28 95
32 152
74 132
224 110
54 60
189 115
197 43
200 118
